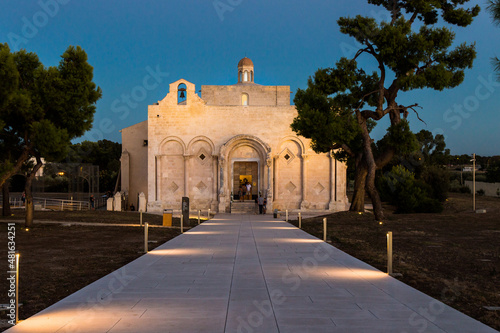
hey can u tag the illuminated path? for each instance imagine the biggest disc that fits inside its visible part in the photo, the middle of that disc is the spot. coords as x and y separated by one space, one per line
241 273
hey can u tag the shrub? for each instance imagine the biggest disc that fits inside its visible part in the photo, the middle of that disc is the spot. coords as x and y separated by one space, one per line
464 189
400 188
439 181
480 192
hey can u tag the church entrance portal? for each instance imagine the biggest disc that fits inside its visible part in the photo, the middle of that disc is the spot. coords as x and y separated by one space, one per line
245 172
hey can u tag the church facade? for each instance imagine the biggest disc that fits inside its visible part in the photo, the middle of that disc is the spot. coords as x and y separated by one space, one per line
207 147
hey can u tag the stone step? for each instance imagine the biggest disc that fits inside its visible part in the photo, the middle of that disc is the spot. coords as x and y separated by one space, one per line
244 207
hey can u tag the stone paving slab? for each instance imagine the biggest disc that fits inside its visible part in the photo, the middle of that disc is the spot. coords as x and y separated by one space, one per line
248 273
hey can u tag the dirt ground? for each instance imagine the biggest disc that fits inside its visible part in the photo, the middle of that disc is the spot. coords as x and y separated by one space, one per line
59 259
453 256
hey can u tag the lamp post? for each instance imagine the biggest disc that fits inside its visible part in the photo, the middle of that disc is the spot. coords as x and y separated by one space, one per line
473 182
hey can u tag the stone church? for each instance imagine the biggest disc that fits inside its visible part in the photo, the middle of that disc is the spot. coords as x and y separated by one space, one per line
205 147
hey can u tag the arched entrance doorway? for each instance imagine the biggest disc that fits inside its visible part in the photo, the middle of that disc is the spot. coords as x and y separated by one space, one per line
243 159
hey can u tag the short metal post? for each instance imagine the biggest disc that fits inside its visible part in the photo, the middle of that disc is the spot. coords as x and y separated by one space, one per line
45 203
17 287
300 221
209 213
141 218
182 223
389 253
62 205
146 248
80 206
324 229
199 216
286 215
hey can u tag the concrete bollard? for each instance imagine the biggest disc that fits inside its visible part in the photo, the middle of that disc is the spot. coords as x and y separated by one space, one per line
199 216
182 224
209 214
141 219
300 221
286 215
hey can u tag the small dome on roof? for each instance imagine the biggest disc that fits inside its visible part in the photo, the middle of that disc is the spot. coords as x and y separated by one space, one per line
245 62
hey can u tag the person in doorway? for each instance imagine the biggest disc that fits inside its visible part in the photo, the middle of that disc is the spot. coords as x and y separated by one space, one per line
240 193
261 204
92 200
23 197
249 190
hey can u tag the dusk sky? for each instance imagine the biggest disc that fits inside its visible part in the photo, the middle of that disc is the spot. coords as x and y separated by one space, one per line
138 47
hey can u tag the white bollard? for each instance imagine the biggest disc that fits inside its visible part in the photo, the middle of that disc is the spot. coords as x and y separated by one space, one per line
324 229
300 221
286 215
146 248
389 253
209 213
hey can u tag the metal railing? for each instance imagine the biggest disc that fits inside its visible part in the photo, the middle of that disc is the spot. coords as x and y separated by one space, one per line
57 204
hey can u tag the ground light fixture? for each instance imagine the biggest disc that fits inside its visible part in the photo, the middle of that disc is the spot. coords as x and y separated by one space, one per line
18 256
389 253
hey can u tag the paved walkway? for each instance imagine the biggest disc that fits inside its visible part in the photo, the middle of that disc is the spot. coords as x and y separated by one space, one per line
249 273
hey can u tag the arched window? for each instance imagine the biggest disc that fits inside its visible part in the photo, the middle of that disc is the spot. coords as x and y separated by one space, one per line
181 94
240 76
244 99
245 76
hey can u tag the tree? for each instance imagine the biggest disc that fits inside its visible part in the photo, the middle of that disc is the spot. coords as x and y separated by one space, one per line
405 60
46 108
104 153
494 8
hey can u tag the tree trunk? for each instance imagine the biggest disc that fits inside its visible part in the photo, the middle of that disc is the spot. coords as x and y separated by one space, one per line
30 209
372 168
5 204
358 197
17 166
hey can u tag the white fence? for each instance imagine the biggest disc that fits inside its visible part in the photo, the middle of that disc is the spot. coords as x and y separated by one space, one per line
56 204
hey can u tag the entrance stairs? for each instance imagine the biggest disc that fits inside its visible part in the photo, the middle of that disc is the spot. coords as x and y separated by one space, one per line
245 207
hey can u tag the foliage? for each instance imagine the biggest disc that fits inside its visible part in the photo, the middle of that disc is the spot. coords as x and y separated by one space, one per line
494 8
400 188
407 55
480 192
43 108
438 179
493 172
104 153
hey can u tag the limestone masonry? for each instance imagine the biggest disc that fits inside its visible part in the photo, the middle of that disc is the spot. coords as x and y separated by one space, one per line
207 147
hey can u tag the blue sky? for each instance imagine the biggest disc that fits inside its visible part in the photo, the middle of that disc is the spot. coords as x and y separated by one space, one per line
138 47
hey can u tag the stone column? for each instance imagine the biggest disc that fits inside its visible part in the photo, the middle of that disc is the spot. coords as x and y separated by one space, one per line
186 178
215 180
269 191
304 203
333 182
222 194
276 178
